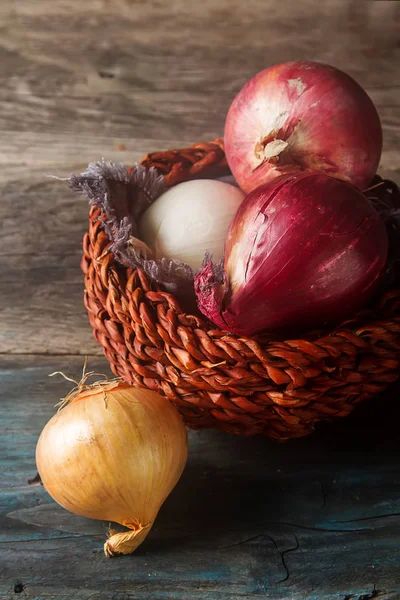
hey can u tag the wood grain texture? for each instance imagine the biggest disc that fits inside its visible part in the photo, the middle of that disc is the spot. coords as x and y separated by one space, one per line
316 518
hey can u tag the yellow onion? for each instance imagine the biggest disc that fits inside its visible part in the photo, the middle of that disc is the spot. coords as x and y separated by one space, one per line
114 453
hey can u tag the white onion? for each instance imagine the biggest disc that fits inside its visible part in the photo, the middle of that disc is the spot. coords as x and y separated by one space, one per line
190 219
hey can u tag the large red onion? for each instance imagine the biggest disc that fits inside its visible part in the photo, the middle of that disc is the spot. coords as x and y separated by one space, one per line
304 250
302 115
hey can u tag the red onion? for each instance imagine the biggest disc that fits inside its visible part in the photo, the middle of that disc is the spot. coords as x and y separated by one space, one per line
302 115
304 250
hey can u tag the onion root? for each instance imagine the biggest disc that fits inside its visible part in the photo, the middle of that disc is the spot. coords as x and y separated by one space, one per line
126 542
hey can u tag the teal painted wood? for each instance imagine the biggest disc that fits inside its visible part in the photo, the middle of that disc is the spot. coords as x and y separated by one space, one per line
317 518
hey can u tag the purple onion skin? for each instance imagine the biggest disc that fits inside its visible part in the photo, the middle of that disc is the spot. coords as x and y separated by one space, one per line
303 251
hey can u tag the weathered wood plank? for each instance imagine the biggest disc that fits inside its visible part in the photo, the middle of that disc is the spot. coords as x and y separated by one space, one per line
53 319
210 46
67 134
41 301
315 518
144 116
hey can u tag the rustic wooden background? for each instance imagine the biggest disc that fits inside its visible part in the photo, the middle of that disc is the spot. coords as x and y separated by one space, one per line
316 518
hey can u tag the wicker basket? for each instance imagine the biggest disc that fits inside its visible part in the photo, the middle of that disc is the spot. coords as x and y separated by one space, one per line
280 389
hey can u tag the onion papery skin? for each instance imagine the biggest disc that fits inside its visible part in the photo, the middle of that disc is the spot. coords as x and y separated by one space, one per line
302 115
302 252
114 453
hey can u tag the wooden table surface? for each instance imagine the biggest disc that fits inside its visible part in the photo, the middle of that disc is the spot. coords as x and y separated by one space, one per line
316 518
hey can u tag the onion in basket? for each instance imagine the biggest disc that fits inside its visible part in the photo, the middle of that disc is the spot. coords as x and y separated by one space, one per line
305 250
302 115
190 219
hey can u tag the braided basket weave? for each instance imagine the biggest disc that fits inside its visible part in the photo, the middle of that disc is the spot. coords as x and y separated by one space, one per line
241 385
